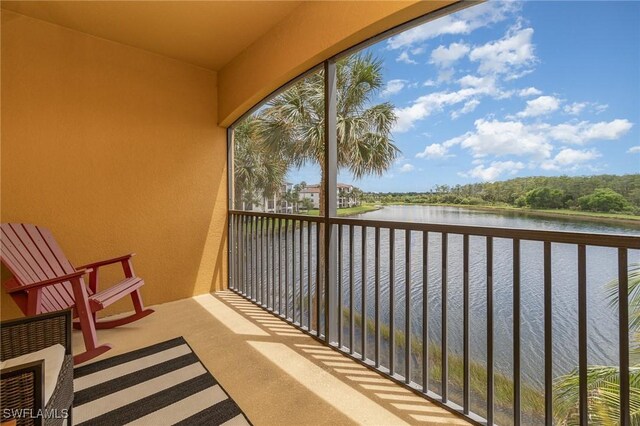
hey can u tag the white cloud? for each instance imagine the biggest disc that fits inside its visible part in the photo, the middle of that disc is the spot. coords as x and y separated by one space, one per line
406 168
584 131
575 108
393 87
436 101
600 108
440 150
535 141
418 50
404 57
429 83
529 91
514 51
445 75
634 150
506 138
540 106
517 75
435 150
468 107
445 56
485 83
462 22
495 170
569 159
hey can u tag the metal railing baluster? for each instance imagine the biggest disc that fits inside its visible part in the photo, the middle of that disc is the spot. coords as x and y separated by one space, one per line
318 292
582 333
300 296
623 336
351 293
293 271
392 302
407 307
340 289
548 338
363 349
466 387
516 332
490 384
377 296
286 268
445 347
279 232
425 311
309 276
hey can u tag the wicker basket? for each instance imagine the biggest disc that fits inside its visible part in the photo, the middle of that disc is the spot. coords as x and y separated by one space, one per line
22 386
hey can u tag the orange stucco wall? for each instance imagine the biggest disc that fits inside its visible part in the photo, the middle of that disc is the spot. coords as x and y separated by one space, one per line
115 150
313 32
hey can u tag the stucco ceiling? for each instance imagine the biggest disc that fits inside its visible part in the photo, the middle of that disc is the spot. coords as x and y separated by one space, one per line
204 33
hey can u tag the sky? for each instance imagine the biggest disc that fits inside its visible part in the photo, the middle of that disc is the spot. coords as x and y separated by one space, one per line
511 89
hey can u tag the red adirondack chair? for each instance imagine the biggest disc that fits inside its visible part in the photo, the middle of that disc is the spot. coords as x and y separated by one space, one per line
45 281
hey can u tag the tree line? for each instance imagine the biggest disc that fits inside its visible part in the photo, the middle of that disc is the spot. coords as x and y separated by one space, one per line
601 193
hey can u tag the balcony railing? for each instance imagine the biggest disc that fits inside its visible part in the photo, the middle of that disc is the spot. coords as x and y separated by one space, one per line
379 299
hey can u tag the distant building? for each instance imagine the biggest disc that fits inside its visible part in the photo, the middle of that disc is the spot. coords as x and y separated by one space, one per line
283 201
346 196
311 192
276 203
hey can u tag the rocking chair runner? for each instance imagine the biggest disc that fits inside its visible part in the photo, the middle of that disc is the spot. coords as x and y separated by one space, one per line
45 281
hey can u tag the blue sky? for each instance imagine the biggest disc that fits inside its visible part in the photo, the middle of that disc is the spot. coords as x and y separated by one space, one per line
509 89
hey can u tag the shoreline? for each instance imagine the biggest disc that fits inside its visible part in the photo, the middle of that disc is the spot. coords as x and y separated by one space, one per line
364 209
562 214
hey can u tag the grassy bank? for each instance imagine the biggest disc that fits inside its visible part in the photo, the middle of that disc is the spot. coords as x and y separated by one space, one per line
349 211
532 399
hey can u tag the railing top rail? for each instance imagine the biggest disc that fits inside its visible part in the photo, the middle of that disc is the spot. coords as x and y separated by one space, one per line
606 240
277 215
590 239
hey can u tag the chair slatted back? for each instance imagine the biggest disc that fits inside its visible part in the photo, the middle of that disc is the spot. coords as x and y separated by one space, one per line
32 255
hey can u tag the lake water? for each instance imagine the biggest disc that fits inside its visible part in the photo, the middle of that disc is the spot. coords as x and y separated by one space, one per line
601 269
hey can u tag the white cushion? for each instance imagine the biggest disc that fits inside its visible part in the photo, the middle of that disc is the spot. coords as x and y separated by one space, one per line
53 357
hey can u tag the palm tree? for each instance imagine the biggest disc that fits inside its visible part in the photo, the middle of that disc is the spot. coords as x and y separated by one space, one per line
603 382
257 174
292 197
292 124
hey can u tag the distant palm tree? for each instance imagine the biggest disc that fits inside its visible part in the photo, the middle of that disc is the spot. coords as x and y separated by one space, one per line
292 197
292 124
257 173
603 382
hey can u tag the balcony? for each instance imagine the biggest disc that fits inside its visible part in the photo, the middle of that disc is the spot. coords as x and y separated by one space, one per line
361 287
124 138
276 373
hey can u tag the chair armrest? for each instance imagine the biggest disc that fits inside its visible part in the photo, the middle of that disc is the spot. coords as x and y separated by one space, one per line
22 389
56 280
30 334
96 265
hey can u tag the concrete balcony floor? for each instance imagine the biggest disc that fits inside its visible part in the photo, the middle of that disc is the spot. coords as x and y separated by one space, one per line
276 374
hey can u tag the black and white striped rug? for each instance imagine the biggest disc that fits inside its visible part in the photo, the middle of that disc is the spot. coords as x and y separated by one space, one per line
157 385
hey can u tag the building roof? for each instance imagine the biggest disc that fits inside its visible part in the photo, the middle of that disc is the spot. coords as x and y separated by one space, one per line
310 189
